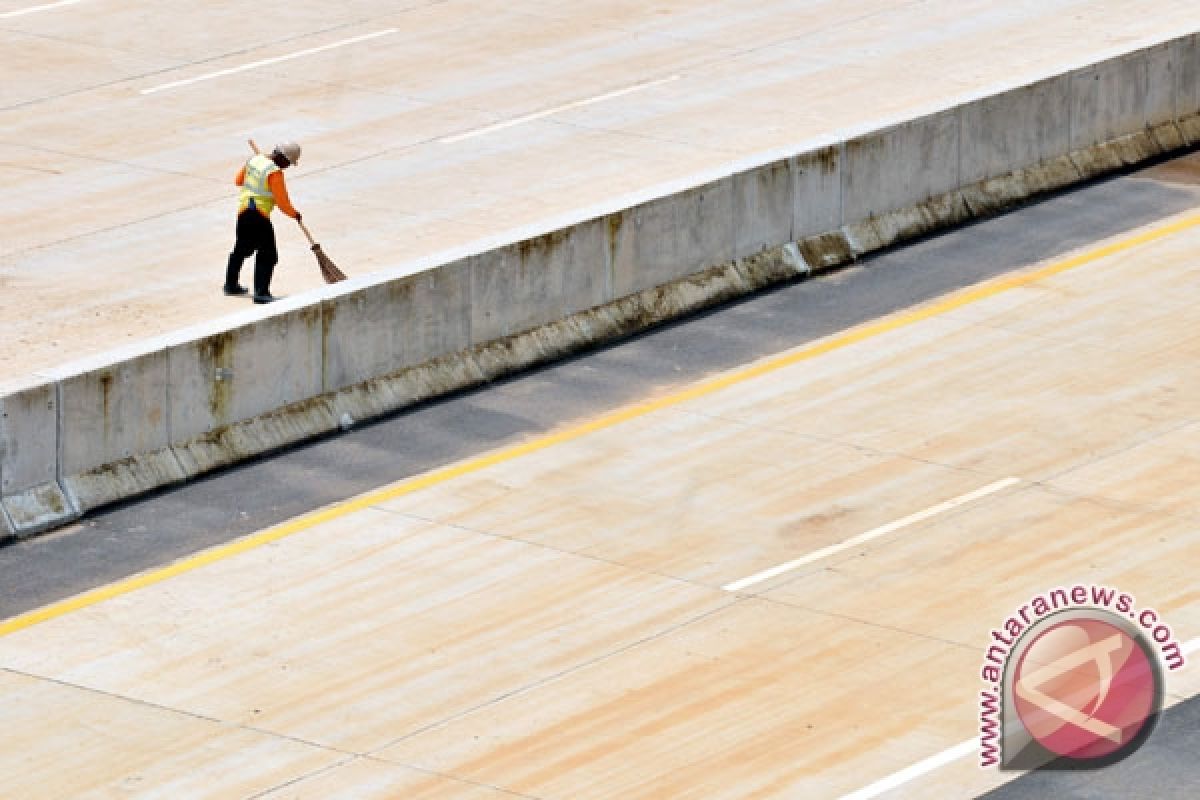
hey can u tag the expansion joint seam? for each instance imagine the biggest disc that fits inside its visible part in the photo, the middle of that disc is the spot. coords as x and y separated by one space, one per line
841 214
59 447
958 175
168 399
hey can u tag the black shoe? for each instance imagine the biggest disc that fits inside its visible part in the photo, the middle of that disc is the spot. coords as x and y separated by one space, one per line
262 299
236 291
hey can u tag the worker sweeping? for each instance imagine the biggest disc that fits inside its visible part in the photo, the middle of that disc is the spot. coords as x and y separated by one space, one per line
263 189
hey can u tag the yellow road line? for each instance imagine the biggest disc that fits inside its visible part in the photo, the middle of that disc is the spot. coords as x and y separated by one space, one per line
410 485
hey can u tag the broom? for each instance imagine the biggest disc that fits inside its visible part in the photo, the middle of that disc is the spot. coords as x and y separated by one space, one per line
329 270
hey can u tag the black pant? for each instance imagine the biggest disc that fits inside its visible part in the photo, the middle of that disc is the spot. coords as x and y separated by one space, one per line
255 234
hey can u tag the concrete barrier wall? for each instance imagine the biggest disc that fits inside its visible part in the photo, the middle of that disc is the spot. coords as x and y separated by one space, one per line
118 426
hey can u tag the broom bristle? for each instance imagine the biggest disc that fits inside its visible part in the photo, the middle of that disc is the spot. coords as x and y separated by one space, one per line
329 270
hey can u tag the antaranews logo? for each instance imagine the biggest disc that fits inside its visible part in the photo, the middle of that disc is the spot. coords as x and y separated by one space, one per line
1073 680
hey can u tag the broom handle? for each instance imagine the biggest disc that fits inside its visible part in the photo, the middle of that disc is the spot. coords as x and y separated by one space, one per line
304 228
308 235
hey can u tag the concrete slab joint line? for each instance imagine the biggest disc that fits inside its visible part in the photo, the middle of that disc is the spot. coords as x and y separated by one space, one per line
6 526
131 424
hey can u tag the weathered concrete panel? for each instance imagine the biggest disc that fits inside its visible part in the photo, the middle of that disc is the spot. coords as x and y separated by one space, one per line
1108 100
827 251
667 239
261 434
1162 62
28 438
641 244
114 431
891 227
995 194
587 280
1136 148
1187 88
38 509
900 167
1014 130
763 208
397 390
638 311
817 195
521 286
1168 137
229 391
383 329
31 498
1187 76
772 266
705 237
244 372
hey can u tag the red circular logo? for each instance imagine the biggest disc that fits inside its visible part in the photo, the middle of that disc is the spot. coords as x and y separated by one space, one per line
1086 689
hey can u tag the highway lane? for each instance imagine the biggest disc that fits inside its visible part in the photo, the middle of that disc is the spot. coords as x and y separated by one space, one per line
539 609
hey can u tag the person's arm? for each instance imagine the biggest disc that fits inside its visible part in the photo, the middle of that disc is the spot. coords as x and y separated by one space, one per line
279 189
241 176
